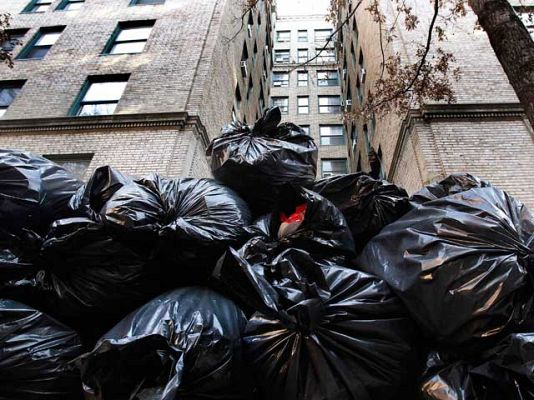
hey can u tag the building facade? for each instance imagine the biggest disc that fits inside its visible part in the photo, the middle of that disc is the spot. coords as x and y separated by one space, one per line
306 85
142 85
484 132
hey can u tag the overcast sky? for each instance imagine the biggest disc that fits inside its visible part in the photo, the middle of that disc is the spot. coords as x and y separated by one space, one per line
292 7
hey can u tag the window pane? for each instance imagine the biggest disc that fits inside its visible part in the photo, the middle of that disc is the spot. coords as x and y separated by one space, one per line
7 95
73 6
137 33
306 128
2 111
43 2
330 100
105 91
149 1
97 109
10 44
302 101
123 48
334 167
283 36
331 130
42 8
48 39
38 52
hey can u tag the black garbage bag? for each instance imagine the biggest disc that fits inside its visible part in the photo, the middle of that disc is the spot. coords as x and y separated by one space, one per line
368 204
321 331
455 183
87 277
34 191
305 220
35 352
256 161
502 372
460 264
185 344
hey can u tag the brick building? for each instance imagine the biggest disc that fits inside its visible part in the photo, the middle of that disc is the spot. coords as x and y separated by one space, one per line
485 132
309 94
141 85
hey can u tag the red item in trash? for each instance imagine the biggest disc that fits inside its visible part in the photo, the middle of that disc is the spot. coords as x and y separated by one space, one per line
297 216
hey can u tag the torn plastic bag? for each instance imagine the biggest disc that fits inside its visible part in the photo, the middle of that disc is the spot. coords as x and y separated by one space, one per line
323 232
35 351
321 331
502 372
88 277
34 191
256 161
455 183
191 221
185 344
460 264
368 204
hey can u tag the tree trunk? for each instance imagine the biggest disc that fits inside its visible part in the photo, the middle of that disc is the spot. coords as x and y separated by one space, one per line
513 46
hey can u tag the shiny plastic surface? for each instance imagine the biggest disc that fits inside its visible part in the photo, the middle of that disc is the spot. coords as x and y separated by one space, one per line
34 353
460 264
255 161
185 344
368 204
320 331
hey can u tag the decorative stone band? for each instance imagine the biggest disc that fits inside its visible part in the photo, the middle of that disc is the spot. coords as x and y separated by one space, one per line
433 112
180 120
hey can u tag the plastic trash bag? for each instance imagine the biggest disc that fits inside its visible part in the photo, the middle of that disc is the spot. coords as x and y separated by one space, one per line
368 204
185 344
502 372
320 331
34 191
455 183
323 231
34 354
256 161
460 264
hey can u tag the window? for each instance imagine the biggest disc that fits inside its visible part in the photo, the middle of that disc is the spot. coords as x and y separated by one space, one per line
328 78
302 55
327 56
8 92
528 19
329 104
101 94
303 36
238 96
38 6
302 78
250 87
14 38
322 35
281 56
75 163
303 103
333 166
250 24
283 36
41 43
282 103
146 2
69 5
280 79
331 135
306 129
129 37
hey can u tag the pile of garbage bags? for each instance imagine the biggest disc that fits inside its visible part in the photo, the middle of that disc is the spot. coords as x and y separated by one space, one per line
263 283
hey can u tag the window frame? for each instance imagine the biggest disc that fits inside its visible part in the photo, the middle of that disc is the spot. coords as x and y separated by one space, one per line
305 37
62 6
328 80
285 52
333 172
320 38
79 101
282 107
329 106
285 32
137 3
330 135
300 81
32 44
300 58
10 84
29 9
286 73
327 56
304 107
126 25
20 32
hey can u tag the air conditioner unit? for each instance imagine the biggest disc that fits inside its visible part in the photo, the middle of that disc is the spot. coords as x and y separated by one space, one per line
244 70
348 102
363 74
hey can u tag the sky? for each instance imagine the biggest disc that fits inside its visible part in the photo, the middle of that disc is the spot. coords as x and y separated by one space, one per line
292 7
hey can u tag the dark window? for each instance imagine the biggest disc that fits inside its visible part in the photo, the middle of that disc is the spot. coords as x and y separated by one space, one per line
129 37
146 2
101 94
282 103
38 6
331 135
8 92
41 43
328 78
329 104
15 37
303 36
250 87
237 96
281 56
333 166
75 163
283 36
70 5
303 105
302 78
280 79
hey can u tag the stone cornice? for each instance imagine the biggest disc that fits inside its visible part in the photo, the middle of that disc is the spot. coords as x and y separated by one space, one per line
451 112
178 120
